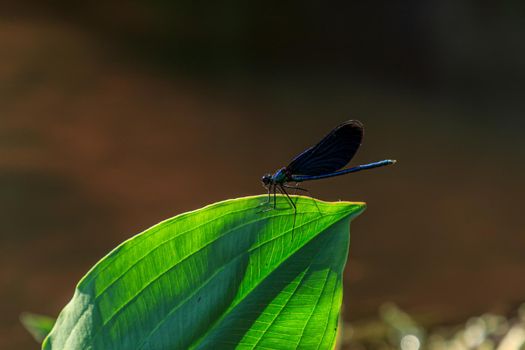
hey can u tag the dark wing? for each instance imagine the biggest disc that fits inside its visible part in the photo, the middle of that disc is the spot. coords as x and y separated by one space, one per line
332 153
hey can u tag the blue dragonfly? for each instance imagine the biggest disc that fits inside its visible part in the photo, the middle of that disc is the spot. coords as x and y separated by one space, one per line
324 160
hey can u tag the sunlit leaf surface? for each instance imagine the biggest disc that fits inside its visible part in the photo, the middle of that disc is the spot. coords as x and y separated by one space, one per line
224 276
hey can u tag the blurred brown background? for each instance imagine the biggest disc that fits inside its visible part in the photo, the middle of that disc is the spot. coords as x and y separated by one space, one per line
116 115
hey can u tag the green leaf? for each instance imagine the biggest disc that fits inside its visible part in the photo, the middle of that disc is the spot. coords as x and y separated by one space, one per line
39 326
225 276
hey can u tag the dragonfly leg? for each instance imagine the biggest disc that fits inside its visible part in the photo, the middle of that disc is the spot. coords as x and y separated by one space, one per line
309 193
283 190
268 201
274 197
296 187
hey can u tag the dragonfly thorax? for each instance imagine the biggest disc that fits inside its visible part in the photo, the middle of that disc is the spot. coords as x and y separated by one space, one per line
281 176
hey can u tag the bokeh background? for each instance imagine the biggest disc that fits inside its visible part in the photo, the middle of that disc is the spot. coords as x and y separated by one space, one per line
116 115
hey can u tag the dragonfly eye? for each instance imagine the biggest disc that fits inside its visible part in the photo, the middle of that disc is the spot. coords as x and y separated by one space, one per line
266 179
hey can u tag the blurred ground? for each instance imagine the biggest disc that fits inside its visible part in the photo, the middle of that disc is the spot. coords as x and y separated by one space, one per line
98 142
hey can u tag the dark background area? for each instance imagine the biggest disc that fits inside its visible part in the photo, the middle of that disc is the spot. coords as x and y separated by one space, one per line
117 115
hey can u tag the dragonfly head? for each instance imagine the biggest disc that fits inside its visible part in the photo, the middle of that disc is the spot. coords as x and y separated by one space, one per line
266 179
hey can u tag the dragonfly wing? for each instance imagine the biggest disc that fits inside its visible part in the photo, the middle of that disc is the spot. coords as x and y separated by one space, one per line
332 153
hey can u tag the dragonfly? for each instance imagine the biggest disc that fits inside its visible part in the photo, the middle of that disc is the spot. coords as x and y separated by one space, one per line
322 161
